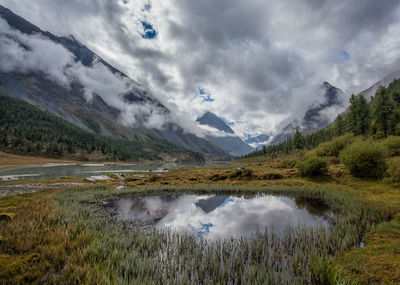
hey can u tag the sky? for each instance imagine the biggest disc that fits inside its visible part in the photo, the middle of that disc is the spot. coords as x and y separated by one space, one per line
257 63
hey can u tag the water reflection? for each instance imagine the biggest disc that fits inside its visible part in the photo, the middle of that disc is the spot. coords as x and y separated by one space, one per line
221 216
58 170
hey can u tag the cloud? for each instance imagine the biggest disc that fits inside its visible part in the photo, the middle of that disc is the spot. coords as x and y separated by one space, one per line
35 53
257 58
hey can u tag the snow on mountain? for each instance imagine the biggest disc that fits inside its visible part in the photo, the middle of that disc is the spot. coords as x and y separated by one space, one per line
225 138
318 115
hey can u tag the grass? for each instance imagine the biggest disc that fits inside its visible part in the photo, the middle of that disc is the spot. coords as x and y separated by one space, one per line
68 237
13 159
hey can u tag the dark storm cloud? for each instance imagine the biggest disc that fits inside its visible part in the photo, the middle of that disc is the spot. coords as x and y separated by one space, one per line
261 60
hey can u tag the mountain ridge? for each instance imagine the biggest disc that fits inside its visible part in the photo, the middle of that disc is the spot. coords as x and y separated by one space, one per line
230 143
315 117
97 115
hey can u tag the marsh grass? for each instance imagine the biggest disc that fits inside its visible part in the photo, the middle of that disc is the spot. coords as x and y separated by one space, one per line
125 253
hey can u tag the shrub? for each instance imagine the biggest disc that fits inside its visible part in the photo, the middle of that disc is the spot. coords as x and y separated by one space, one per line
241 173
365 159
273 176
217 177
393 171
333 147
287 163
392 144
312 166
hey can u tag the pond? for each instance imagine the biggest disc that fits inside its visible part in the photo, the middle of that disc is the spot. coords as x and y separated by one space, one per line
219 217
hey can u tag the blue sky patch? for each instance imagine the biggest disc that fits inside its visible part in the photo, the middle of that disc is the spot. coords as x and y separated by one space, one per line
149 31
205 229
206 96
345 56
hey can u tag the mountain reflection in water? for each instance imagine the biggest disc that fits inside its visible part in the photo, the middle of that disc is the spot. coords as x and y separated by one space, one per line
222 216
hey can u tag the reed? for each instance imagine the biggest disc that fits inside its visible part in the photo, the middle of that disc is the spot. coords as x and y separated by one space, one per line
123 252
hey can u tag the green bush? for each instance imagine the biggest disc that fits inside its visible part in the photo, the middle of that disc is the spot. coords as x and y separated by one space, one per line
365 159
313 166
334 147
393 171
241 173
287 163
392 144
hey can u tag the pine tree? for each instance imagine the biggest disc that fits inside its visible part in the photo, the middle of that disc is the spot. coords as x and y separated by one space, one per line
298 140
363 116
339 126
352 115
383 110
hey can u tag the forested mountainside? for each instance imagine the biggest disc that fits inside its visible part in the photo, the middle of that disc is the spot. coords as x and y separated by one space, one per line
80 87
315 117
377 118
27 129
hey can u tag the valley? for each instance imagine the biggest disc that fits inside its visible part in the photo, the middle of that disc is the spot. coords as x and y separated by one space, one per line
154 143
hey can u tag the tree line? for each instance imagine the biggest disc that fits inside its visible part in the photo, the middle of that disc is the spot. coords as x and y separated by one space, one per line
378 118
26 129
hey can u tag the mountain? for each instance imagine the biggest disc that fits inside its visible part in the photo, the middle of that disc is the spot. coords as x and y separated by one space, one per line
26 129
64 77
258 141
212 120
370 92
318 115
226 138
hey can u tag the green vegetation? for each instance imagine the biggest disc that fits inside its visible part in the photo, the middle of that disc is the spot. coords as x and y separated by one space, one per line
71 239
333 147
313 166
26 129
378 119
393 170
392 144
365 159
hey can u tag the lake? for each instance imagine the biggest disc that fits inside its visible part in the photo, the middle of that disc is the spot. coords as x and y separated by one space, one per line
216 216
83 170
54 171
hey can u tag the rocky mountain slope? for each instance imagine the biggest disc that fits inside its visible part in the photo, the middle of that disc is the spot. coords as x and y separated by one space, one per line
368 93
318 115
25 129
258 141
225 138
61 75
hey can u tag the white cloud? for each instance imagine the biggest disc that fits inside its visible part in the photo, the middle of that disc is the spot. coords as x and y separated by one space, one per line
255 57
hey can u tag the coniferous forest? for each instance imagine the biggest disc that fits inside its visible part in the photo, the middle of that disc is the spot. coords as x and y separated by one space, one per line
376 119
26 129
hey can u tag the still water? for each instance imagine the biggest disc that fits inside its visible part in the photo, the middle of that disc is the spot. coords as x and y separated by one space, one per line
85 170
216 217
54 171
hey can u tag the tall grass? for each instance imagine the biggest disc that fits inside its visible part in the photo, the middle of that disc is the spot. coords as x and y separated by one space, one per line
125 253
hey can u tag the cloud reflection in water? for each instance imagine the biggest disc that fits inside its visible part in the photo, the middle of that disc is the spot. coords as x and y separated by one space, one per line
218 216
